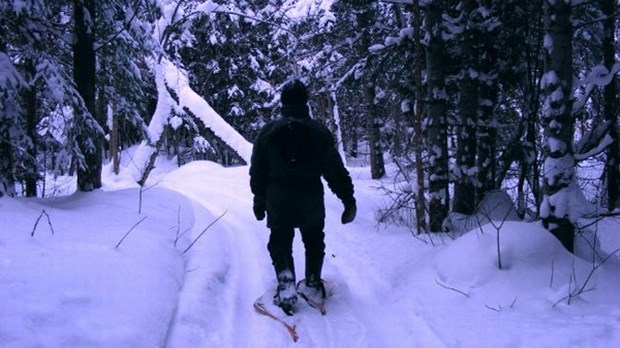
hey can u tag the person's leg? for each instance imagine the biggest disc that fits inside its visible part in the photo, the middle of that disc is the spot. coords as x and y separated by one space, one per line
314 243
280 248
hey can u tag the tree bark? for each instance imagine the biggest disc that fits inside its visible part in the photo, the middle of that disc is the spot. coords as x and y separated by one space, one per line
373 124
486 132
84 69
377 164
612 166
114 140
465 185
30 101
437 124
420 206
7 178
559 170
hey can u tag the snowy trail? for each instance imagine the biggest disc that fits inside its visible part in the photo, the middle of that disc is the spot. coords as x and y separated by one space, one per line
77 287
229 268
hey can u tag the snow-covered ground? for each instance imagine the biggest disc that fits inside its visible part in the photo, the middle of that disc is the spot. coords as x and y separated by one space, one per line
75 288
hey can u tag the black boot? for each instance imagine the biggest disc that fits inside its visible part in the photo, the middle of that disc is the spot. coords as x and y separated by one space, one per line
286 294
314 266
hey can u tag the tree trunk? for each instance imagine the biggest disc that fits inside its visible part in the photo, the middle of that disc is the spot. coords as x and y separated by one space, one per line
612 167
373 124
84 68
559 170
377 165
7 178
437 125
465 185
335 112
420 207
114 137
487 140
30 101
486 132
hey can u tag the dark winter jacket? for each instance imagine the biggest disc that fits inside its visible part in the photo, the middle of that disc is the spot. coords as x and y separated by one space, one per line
290 156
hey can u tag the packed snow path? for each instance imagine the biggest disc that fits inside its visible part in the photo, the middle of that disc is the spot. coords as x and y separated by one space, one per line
229 267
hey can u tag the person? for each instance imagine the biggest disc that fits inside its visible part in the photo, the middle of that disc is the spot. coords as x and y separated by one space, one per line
289 157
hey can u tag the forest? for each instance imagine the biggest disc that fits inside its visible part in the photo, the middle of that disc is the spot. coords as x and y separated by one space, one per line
464 97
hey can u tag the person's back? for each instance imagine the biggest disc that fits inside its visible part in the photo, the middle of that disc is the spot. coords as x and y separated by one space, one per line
289 158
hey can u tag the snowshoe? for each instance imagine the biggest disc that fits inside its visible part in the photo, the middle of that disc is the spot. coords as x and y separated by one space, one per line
314 293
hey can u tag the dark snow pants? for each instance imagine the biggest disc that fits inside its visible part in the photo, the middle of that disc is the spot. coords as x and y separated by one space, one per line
280 248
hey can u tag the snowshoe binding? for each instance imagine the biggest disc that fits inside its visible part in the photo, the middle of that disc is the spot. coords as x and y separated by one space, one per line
286 294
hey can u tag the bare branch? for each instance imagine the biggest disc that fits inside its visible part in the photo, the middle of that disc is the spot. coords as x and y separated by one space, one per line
49 222
453 289
131 229
205 230
176 239
493 309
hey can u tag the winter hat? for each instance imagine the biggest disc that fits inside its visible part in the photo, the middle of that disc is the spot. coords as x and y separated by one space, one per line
294 92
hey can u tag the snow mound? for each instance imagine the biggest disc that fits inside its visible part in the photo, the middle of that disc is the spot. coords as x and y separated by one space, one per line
69 286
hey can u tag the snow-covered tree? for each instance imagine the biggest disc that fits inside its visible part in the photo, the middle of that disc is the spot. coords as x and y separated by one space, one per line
37 87
611 104
235 61
559 186
436 124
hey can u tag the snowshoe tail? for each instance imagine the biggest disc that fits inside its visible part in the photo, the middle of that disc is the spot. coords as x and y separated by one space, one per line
260 308
318 300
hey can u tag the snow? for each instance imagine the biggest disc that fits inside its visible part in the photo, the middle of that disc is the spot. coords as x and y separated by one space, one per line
178 81
207 7
73 288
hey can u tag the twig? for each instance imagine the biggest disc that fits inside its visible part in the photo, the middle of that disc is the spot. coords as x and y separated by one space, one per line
513 303
552 273
49 222
131 229
192 270
176 239
205 230
453 289
140 199
582 290
499 308
493 309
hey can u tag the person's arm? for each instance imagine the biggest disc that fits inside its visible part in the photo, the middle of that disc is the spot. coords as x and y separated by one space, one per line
338 179
259 174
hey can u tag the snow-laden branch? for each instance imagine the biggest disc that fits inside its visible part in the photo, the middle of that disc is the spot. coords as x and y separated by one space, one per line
169 76
9 76
144 157
177 80
599 76
602 145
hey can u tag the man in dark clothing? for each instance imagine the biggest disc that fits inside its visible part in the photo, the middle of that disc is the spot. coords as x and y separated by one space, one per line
290 156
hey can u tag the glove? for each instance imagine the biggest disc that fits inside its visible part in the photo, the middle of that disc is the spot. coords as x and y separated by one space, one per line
350 209
259 208
259 212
